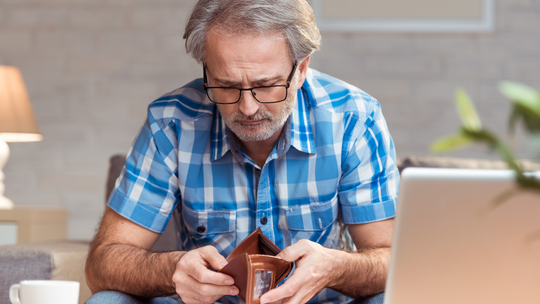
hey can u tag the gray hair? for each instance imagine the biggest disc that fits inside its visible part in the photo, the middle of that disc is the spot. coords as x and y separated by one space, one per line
293 18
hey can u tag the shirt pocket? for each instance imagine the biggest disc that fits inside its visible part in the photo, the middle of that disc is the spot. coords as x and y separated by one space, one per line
315 221
215 227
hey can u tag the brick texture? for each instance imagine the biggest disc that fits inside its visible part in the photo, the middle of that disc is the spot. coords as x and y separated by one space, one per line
92 66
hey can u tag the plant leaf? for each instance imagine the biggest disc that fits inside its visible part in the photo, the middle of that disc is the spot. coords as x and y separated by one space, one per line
530 119
496 144
482 135
450 143
509 158
521 94
528 182
467 111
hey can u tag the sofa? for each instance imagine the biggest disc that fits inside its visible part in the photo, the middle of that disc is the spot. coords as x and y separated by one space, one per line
65 259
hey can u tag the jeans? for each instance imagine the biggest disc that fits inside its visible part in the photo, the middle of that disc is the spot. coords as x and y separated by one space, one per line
117 297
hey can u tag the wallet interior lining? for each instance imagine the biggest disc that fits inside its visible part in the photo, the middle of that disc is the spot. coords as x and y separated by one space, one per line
266 247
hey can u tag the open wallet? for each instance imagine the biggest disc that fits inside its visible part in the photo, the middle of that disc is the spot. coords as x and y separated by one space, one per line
255 268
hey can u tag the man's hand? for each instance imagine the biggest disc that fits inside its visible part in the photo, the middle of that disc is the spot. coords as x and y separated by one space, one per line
315 268
354 274
196 283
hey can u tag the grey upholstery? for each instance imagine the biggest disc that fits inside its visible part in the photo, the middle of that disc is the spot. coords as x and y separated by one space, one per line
59 260
116 163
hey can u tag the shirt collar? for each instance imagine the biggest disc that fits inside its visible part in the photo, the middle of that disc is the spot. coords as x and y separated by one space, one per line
301 131
297 132
219 135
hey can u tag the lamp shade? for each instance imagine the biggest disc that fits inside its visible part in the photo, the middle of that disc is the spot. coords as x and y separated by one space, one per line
17 120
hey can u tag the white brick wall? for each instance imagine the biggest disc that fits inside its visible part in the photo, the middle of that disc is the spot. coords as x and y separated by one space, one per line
92 66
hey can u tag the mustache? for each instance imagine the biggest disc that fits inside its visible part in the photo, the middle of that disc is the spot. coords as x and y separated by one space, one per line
259 115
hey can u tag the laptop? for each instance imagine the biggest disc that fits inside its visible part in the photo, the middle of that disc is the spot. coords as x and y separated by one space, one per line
464 236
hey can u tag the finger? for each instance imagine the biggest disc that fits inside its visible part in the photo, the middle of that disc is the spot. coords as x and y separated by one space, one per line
278 302
204 275
195 264
301 297
192 297
196 295
213 257
302 282
293 252
191 277
287 290
209 289
308 287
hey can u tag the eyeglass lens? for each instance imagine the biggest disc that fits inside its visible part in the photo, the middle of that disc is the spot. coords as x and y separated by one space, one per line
232 95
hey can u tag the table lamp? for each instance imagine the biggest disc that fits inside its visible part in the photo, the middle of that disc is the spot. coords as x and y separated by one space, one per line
17 121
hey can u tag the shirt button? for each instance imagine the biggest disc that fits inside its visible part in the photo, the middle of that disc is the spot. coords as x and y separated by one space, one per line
264 220
201 229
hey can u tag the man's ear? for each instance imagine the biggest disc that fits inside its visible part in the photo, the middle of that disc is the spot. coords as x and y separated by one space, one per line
302 71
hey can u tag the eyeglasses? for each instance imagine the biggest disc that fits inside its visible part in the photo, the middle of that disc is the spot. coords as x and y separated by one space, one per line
263 94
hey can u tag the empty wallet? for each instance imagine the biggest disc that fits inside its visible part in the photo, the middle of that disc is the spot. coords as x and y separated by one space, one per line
255 268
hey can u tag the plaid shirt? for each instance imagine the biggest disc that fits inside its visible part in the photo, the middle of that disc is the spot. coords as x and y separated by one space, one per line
334 164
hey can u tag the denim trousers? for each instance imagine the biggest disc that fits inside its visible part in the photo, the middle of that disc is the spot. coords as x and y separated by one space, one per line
106 297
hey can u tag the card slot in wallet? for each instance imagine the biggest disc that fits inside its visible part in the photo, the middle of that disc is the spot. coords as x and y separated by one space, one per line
255 268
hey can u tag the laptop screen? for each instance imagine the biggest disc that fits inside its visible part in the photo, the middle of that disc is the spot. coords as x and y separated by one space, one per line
464 236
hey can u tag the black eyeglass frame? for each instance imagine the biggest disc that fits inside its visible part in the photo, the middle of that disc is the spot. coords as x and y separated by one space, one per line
286 86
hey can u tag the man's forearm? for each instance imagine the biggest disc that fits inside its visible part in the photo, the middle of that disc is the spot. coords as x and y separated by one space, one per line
362 273
132 270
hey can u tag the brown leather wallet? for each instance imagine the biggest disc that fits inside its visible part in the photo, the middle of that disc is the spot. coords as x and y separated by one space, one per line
255 268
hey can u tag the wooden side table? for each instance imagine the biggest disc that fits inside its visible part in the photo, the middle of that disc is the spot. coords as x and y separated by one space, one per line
31 224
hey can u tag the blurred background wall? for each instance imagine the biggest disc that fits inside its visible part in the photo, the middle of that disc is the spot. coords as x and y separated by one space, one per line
92 66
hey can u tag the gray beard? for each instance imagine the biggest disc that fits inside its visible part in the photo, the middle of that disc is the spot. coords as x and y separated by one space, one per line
270 123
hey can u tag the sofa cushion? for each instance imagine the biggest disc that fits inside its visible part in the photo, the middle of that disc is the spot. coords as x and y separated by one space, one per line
462 163
58 260
116 163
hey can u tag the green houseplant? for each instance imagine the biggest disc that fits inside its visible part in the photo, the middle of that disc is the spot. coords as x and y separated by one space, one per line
525 111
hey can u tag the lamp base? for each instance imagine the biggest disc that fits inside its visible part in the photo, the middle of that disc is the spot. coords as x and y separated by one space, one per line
5 203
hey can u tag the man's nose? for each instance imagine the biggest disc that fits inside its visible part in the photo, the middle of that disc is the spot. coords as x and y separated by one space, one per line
248 105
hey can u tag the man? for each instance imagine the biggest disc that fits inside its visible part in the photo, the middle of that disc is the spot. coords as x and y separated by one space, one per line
262 141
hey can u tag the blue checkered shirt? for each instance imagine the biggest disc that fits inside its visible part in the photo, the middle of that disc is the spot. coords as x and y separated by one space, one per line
333 165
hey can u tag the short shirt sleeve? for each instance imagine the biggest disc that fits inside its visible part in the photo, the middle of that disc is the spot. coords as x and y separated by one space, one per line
147 190
370 181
